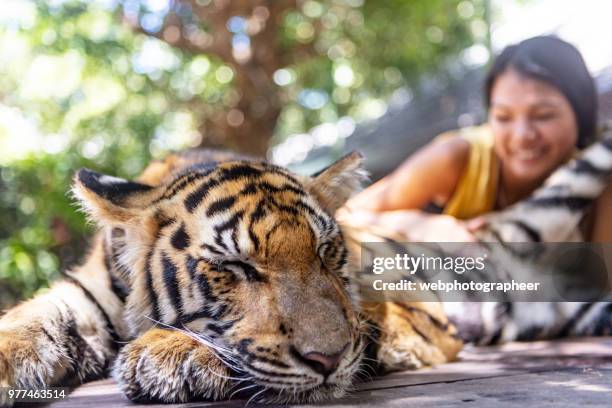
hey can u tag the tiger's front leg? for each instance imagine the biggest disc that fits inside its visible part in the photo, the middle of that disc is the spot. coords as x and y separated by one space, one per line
63 337
412 334
169 366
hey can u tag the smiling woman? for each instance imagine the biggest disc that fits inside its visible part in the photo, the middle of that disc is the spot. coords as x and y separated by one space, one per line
542 107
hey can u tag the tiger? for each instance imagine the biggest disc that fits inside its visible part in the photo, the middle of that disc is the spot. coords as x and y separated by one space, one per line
211 276
214 276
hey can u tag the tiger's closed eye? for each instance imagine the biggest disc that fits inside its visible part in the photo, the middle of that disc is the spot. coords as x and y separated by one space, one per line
248 271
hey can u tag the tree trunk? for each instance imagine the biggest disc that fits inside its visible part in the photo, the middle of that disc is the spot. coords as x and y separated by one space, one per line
248 124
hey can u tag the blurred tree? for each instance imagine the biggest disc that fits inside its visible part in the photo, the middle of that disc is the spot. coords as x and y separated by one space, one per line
109 84
308 60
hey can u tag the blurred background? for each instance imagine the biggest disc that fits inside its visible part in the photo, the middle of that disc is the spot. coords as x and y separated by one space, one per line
110 84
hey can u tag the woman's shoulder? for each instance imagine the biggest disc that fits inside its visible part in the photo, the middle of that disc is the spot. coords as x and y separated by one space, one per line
453 147
436 168
480 134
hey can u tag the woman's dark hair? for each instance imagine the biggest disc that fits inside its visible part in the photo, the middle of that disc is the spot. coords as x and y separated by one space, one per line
558 63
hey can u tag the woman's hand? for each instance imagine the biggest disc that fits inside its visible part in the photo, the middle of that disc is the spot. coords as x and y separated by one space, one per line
413 225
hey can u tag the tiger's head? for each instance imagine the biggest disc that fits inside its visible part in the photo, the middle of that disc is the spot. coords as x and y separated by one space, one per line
246 257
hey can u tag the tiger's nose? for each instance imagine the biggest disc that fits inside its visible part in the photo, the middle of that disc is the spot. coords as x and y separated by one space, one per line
324 364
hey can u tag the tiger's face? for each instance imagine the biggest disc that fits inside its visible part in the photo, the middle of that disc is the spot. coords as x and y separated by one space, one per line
245 257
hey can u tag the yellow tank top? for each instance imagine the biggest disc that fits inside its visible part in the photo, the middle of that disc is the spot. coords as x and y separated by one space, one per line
476 191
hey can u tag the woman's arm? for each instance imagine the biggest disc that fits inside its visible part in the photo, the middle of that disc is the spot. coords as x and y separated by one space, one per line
431 174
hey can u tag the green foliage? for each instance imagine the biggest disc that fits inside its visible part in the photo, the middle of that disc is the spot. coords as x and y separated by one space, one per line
74 95
365 50
81 87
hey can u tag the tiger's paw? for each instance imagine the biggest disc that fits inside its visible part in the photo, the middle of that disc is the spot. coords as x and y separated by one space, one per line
7 373
27 361
29 358
408 352
412 335
169 366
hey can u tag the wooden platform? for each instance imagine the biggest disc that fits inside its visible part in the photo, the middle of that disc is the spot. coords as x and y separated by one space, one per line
576 372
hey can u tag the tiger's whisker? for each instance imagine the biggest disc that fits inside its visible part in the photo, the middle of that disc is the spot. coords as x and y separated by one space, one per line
242 389
255 396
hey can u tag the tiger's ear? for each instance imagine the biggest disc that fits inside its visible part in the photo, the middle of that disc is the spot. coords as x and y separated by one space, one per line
111 200
335 184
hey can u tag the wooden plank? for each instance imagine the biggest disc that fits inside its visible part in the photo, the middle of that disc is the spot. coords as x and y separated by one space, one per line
568 387
104 393
509 359
584 361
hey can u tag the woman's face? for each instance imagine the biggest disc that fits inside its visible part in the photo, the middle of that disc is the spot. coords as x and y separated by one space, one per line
534 126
